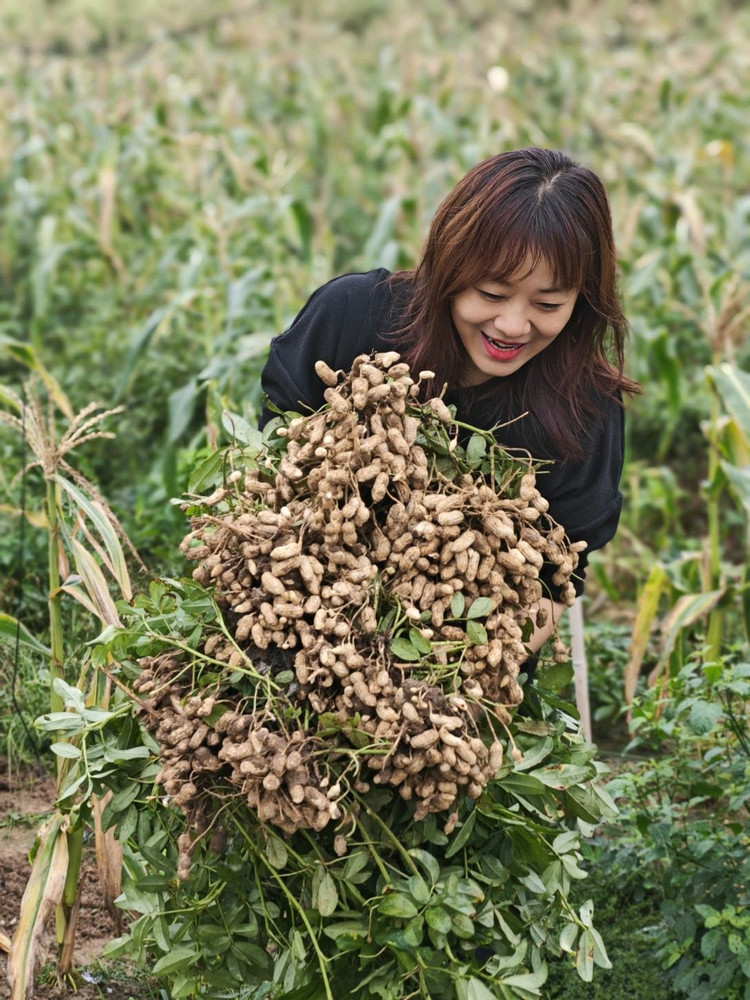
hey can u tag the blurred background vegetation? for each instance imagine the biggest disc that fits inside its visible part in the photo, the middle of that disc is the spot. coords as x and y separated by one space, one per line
177 177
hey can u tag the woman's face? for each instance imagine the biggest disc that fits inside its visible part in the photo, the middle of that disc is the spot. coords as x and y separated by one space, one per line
503 324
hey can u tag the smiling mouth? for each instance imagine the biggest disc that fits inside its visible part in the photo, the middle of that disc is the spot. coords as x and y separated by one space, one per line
500 345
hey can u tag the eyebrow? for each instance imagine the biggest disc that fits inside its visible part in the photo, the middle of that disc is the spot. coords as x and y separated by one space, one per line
541 291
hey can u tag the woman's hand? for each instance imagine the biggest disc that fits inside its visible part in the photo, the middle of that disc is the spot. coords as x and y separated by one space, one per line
554 611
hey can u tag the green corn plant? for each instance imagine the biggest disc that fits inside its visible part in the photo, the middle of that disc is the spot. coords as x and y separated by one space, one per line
732 389
700 584
84 541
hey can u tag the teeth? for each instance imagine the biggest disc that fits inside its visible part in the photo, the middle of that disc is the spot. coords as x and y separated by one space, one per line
503 347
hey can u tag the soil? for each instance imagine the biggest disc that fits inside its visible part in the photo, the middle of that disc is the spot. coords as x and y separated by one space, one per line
25 802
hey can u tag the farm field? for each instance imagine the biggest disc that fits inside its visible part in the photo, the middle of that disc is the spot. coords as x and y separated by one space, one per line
175 180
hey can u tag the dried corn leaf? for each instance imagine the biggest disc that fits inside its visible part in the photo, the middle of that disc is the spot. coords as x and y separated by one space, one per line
42 895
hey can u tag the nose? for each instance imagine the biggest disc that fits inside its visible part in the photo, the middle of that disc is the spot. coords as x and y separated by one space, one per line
511 320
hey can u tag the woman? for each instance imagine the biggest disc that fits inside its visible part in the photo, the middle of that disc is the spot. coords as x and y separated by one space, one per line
514 307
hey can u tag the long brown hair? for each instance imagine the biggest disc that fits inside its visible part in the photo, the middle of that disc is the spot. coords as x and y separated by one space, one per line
538 203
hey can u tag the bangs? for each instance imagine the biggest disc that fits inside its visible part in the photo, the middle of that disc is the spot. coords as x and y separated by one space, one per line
514 246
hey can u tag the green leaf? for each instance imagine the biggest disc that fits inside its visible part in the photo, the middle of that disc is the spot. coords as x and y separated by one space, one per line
252 953
521 784
11 628
181 406
529 981
127 824
704 716
584 802
419 889
733 386
25 354
462 925
462 836
396 904
533 882
600 952
585 956
305 225
116 756
60 721
438 918
70 694
739 482
428 862
571 866
481 607
533 756
420 642
382 231
123 798
476 990
66 750
557 676
276 852
458 603
568 841
326 899
669 370
414 932
311 991
171 962
404 649
208 474
240 430
355 928
476 449
355 866
152 883
477 633
568 936
562 775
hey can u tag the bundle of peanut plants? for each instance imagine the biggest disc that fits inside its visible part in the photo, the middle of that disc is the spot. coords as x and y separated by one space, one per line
352 793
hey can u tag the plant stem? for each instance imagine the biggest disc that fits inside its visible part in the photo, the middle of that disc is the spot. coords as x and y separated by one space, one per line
68 905
716 618
392 837
56 668
297 907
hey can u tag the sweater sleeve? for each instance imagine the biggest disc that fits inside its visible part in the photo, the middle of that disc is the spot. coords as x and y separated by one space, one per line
342 319
585 496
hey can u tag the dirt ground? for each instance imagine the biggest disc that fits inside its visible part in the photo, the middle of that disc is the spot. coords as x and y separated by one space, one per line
24 802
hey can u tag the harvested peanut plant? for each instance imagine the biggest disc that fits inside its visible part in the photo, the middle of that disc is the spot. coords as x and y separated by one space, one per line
344 719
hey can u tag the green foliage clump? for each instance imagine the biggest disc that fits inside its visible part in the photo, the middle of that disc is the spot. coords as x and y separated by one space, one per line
683 829
299 915
627 916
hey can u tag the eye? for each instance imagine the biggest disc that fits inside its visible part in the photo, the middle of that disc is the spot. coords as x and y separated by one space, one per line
490 296
548 306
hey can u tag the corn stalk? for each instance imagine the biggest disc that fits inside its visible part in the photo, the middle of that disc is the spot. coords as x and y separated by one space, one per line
89 539
729 471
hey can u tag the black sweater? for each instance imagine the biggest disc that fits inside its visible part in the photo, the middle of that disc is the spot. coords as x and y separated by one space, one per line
349 315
